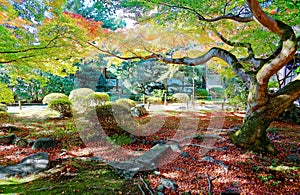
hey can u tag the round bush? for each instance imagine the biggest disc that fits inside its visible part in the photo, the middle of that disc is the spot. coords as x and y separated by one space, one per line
97 98
126 102
81 92
152 99
3 108
5 117
6 94
63 106
201 92
180 97
54 96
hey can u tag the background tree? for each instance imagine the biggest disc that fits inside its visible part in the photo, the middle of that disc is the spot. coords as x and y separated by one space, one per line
256 47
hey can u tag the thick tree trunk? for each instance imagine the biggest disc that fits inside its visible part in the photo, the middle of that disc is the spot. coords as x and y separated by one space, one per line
252 134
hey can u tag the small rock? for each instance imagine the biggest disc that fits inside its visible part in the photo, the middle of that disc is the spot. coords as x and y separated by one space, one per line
44 143
167 183
8 139
160 188
293 158
127 169
185 154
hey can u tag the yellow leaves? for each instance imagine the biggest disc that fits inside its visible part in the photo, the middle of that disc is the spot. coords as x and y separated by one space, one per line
115 61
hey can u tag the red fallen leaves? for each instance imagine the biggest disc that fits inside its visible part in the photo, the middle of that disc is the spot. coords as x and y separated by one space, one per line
248 173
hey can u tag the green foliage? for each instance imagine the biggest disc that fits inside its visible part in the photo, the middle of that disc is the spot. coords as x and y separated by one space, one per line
58 84
125 102
98 98
3 108
157 96
217 92
119 140
6 95
180 97
54 96
154 100
63 106
237 94
159 93
201 92
102 11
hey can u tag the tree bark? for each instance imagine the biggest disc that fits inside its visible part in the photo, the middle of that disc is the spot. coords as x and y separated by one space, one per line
253 133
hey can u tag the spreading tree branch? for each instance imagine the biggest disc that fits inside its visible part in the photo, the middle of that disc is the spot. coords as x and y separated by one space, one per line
284 53
200 17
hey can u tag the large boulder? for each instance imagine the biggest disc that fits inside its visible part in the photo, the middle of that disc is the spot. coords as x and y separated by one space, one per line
31 164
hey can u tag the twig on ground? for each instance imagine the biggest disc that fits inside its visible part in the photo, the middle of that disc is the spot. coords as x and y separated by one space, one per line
206 147
209 184
217 162
141 189
146 185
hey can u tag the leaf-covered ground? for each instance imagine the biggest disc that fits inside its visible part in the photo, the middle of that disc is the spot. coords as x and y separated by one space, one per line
247 172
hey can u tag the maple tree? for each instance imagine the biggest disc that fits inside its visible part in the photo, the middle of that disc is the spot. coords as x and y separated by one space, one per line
252 43
38 35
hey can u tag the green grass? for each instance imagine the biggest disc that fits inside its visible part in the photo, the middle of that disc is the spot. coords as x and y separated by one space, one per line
91 178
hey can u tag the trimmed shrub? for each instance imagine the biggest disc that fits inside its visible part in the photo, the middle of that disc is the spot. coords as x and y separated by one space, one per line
152 99
97 98
125 102
113 119
201 93
78 99
3 108
6 94
54 96
180 97
5 117
217 92
81 92
63 106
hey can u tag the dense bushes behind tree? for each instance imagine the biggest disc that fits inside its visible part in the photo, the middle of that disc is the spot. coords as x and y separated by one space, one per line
201 93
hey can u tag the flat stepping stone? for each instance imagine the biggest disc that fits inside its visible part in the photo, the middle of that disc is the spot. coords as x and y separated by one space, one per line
127 169
154 155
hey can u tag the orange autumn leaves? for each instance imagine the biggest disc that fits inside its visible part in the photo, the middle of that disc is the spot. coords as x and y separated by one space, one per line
93 27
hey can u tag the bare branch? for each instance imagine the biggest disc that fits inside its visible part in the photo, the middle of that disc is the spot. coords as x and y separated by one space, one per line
229 16
235 44
32 48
